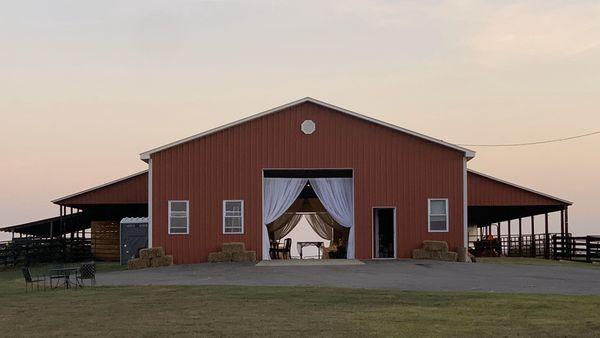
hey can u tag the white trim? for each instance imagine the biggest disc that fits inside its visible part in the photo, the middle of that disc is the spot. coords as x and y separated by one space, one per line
150 203
465 205
223 227
429 214
521 187
373 254
468 153
187 219
99 186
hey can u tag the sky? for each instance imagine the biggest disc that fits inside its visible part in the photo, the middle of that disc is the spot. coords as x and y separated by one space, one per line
88 85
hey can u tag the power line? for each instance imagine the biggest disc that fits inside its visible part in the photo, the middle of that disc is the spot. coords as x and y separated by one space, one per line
530 143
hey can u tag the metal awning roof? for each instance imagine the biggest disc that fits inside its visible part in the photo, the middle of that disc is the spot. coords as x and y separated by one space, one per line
43 227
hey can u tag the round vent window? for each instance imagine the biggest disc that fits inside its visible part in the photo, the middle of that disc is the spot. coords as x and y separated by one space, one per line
308 127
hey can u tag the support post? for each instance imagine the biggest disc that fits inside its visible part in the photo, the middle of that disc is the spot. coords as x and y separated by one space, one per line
532 246
546 239
509 239
520 237
498 233
567 232
567 220
562 224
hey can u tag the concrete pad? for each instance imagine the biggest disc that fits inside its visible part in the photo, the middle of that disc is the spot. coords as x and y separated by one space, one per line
310 262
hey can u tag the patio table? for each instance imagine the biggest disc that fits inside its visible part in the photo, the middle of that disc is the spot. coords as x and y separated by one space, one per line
301 245
66 273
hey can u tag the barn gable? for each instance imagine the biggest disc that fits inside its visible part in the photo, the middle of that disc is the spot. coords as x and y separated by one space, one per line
145 156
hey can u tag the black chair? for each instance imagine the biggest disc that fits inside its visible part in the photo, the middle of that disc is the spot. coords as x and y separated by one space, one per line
86 271
285 251
274 245
30 280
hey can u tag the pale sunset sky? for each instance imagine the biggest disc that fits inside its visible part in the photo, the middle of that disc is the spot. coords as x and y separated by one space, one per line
85 86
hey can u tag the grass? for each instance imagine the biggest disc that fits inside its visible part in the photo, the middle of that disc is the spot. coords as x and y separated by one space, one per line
285 311
536 261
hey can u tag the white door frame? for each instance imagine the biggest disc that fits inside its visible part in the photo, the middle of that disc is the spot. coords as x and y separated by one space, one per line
265 246
374 252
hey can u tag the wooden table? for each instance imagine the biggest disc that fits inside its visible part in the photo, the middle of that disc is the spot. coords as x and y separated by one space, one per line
301 245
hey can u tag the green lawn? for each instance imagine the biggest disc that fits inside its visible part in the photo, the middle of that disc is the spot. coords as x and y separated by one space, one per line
284 311
536 261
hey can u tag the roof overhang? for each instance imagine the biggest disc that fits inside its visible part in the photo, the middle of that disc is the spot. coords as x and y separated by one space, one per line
469 154
59 200
557 199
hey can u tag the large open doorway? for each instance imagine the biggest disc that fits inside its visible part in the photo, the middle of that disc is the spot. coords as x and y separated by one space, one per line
384 232
323 199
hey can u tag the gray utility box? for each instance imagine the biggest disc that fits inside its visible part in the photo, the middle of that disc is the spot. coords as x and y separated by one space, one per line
134 236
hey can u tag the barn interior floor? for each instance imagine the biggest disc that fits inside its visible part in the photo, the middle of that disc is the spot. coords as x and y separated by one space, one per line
309 262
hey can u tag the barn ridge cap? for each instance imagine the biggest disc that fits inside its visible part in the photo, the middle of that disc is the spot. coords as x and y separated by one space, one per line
471 171
469 154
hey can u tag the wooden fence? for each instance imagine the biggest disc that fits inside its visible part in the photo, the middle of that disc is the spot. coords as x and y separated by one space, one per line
553 246
584 248
26 251
106 241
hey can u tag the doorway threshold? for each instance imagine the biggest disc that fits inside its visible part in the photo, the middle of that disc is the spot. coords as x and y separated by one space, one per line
309 262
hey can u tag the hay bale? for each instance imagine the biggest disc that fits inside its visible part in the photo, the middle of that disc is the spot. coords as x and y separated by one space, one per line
219 257
234 247
449 256
440 246
138 263
421 254
161 261
149 253
246 256
463 254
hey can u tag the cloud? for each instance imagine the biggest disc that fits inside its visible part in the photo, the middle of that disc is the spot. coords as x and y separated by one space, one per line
536 29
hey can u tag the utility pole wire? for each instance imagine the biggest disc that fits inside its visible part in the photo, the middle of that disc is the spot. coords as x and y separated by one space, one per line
530 143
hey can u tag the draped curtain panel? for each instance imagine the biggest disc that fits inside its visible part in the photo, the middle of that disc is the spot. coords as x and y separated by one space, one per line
337 197
278 195
287 226
320 226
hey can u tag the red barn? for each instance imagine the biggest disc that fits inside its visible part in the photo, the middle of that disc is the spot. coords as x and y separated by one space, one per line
403 187
372 189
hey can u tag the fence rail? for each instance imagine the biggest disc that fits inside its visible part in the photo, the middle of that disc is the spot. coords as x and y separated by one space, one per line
553 246
34 250
583 248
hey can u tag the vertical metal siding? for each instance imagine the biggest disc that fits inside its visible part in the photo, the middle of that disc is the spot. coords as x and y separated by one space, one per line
390 168
484 191
133 190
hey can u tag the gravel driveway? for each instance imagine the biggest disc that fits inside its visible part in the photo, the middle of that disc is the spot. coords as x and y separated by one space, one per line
402 275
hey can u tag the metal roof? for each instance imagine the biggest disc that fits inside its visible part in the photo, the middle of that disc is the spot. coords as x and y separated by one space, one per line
98 187
145 156
520 187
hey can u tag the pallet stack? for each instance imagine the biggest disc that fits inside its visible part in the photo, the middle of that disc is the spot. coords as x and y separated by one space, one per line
150 258
232 252
435 250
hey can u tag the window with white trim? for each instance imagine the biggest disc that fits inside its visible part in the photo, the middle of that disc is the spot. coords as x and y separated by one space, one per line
179 220
438 215
233 217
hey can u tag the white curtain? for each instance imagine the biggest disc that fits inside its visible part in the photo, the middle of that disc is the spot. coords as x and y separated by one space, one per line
337 197
278 195
318 224
287 227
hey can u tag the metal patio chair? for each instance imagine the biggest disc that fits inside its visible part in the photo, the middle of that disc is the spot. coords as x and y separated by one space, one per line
30 280
86 271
